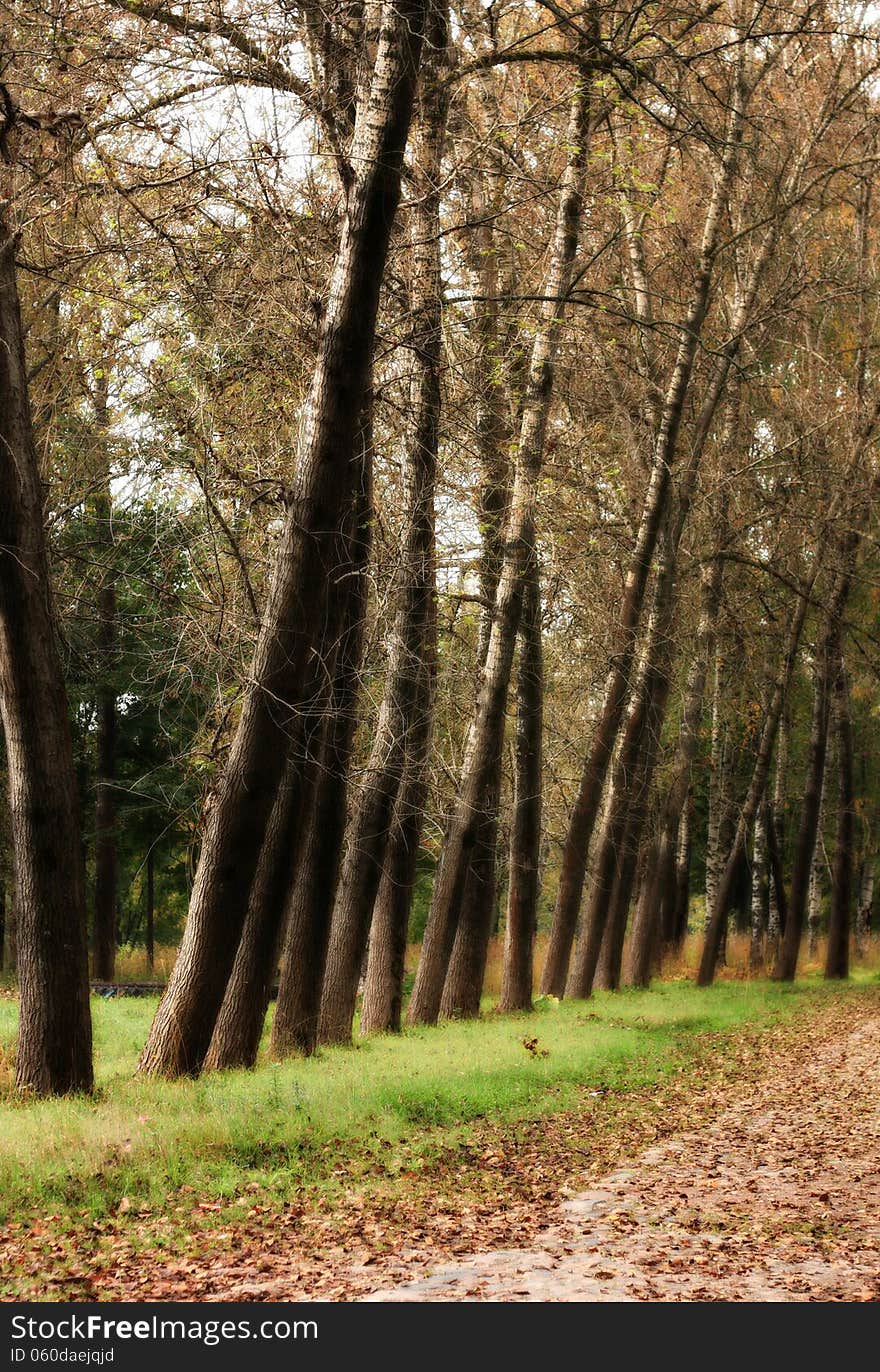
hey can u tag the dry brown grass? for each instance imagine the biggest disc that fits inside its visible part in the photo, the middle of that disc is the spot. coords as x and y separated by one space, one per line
684 963
131 963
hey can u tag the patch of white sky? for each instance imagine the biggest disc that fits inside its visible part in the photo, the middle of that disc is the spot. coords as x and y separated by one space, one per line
215 130
218 128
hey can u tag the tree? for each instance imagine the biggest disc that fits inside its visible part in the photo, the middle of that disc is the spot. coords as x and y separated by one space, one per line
55 1034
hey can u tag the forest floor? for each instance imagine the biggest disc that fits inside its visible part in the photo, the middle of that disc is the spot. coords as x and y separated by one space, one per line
748 1168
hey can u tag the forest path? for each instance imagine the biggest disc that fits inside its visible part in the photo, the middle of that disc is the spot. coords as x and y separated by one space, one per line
775 1199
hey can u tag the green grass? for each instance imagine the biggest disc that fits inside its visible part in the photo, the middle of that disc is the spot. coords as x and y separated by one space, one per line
383 1106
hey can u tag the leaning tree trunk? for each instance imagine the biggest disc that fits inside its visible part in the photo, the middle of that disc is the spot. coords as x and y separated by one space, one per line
659 886
319 756
382 1005
473 917
487 725
817 865
592 781
239 1026
638 753
715 932
322 490
466 969
521 919
786 964
607 977
412 651
718 798
297 1009
837 952
55 1033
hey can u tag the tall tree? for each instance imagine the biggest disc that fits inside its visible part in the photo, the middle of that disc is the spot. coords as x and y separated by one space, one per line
487 725
55 1033
321 491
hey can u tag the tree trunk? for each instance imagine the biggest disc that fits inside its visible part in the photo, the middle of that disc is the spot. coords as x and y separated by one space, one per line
322 743
402 717
638 755
865 909
658 889
760 888
486 732
718 799
521 919
465 973
817 864
55 1033
683 876
717 927
837 952
776 830
583 817
322 491
474 914
105 790
786 964
607 977
382 1004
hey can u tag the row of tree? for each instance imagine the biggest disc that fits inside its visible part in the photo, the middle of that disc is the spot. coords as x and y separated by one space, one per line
436 441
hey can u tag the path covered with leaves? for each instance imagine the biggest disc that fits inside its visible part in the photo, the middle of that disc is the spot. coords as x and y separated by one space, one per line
776 1199
750 1172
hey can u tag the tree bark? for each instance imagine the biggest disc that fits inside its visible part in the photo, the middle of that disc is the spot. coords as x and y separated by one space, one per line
382 1004
322 490
865 910
608 968
776 839
717 927
786 964
760 888
465 973
105 795
658 890
682 876
402 718
487 726
521 919
55 1034
718 799
837 952
817 863
319 756
638 752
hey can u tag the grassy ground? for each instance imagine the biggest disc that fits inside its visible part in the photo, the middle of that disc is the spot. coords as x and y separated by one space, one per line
389 1104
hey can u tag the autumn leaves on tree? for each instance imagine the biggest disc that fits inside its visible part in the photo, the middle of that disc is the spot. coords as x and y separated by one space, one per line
514 390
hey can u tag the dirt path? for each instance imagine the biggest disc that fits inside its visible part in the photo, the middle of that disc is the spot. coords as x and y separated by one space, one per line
777 1199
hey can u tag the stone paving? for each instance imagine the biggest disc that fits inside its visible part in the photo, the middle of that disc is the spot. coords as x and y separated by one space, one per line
778 1199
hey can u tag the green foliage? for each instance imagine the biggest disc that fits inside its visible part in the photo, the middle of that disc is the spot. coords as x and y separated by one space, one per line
142 549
